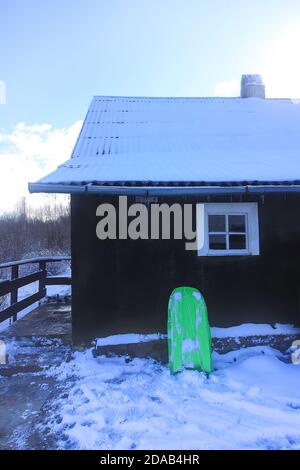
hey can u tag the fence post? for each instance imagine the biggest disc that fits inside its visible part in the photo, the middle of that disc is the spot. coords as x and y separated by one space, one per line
14 291
42 281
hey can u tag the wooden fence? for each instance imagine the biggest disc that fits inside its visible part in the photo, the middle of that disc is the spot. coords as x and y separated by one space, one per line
12 285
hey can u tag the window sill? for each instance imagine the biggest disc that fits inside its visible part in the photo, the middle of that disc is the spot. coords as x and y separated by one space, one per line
227 254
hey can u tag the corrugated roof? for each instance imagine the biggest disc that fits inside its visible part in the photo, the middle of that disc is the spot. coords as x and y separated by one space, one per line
150 141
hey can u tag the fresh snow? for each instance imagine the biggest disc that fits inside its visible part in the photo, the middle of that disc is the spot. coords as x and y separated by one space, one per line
250 401
185 139
246 329
128 339
254 329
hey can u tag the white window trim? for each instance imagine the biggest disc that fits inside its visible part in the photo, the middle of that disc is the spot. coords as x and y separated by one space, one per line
231 208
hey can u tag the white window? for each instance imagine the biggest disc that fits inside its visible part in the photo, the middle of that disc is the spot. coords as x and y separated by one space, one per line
227 229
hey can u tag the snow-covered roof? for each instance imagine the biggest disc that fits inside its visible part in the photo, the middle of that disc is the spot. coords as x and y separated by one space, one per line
134 141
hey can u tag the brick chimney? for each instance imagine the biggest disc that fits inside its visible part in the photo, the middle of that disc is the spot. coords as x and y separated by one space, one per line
252 86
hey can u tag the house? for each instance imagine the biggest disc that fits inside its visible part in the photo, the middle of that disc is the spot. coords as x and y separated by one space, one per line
232 163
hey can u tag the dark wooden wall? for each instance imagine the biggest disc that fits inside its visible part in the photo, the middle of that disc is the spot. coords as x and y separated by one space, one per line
122 286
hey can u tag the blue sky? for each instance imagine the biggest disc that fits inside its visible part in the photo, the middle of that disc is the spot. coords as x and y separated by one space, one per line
56 54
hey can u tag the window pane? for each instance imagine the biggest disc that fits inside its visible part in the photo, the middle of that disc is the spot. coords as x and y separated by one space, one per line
216 223
217 242
236 223
237 242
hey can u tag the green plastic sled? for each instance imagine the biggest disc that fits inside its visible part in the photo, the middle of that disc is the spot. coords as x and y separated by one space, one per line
189 338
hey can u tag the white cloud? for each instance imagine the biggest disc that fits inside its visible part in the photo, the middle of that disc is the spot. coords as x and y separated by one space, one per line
227 88
2 92
280 63
28 153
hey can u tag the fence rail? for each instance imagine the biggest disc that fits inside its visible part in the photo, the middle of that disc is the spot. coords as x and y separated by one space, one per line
11 286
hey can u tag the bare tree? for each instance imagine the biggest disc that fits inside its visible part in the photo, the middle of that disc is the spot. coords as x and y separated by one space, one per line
31 232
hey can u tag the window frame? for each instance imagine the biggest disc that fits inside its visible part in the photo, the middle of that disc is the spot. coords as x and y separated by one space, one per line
227 233
249 209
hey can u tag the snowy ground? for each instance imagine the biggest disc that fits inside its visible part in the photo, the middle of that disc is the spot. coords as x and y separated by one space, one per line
250 401
66 399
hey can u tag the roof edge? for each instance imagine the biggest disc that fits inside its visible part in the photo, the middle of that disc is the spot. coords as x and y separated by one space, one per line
142 97
157 190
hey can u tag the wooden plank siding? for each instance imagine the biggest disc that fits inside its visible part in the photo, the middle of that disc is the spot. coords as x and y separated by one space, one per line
123 286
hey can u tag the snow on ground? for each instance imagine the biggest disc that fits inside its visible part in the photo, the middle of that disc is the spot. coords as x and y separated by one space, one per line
254 329
250 401
239 331
131 338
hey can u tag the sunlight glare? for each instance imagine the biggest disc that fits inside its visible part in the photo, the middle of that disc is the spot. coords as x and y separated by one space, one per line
281 64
